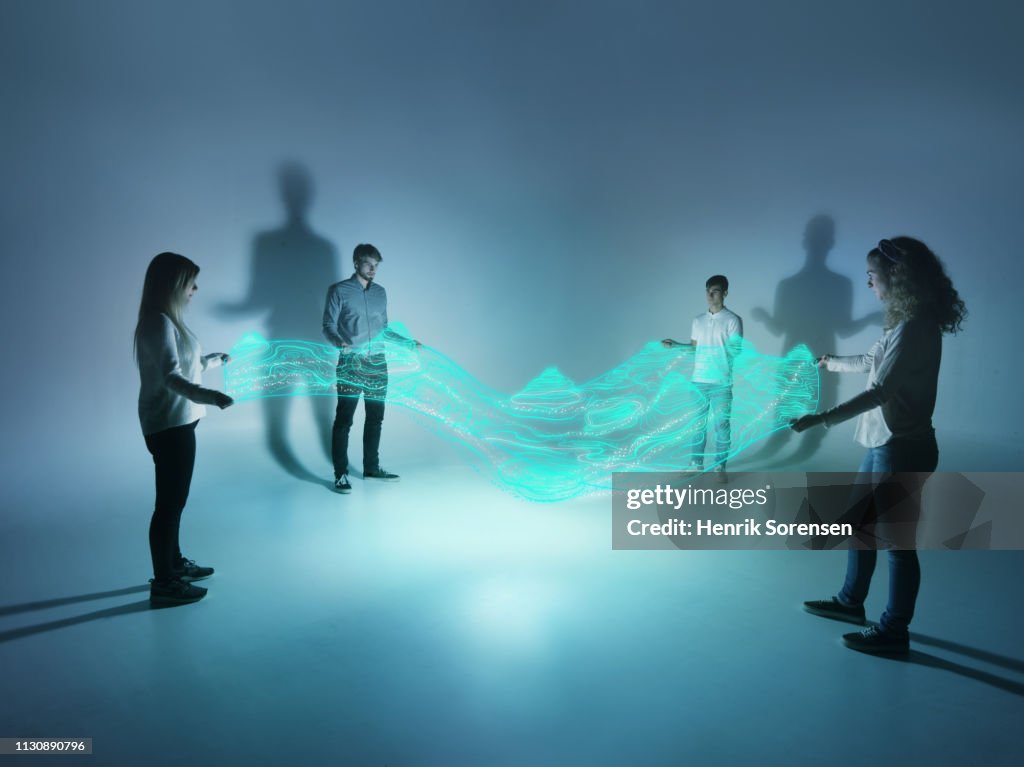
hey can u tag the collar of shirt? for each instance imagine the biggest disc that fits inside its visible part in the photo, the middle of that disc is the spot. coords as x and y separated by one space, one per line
355 279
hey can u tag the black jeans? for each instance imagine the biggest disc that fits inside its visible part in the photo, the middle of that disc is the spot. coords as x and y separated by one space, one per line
174 457
366 376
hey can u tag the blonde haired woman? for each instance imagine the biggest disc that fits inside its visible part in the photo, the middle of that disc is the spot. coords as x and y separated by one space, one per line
171 402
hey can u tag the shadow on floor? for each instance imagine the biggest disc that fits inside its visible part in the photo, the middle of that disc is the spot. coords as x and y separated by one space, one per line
933 661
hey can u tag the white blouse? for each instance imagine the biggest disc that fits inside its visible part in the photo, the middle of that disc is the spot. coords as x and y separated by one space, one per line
903 373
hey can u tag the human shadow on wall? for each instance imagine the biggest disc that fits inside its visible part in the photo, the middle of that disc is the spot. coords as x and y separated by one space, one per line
292 267
812 307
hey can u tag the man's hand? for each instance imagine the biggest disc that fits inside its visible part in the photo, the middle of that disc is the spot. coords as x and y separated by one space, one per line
806 422
670 343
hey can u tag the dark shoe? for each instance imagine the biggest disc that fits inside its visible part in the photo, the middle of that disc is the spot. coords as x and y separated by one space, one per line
342 485
721 477
381 474
836 610
877 641
188 570
174 592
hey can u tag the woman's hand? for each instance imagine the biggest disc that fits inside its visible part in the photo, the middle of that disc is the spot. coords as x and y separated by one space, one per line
822 361
806 422
222 400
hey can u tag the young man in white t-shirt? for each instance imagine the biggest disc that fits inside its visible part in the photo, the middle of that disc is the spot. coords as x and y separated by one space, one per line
715 336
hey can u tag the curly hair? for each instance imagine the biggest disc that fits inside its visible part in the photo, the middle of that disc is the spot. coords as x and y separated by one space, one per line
918 285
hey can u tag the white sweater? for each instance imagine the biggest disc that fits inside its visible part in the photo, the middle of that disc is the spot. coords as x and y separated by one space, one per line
170 369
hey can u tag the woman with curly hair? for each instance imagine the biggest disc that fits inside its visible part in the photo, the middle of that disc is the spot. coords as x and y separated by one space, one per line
171 400
895 425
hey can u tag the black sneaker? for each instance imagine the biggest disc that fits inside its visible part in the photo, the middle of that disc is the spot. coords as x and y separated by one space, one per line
836 610
174 592
381 474
342 485
878 641
188 570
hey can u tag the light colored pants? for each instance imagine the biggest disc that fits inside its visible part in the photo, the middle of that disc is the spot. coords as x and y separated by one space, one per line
716 398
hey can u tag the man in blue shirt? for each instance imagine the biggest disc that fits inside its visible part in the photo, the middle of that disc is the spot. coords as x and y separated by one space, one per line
355 314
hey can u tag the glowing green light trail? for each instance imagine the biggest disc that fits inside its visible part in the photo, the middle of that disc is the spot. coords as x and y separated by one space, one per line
555 439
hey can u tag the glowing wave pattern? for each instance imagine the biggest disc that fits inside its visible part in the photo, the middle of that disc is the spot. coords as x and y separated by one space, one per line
555 439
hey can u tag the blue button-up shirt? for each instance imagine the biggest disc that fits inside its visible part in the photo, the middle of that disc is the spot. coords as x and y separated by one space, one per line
353 316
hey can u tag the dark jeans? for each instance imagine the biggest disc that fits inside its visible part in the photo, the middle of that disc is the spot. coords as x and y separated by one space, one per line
887 490
366 376
174 456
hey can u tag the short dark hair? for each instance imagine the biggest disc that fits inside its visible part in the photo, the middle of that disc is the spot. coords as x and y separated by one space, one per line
365 250
717 279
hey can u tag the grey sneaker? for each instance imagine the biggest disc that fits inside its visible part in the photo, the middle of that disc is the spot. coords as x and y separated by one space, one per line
877 641
836 610
174 592
342 485
380 474
188 570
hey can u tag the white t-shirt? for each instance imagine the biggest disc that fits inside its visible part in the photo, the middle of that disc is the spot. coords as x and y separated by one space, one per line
714 354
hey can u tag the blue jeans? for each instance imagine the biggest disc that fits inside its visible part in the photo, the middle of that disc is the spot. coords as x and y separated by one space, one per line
881 487
718 398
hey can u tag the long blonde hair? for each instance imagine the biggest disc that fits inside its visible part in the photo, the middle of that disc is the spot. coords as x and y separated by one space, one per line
163 292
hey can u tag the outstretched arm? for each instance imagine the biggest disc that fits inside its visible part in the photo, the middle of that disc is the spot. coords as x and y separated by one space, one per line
215 360
855 326
762 316
891 373
856 363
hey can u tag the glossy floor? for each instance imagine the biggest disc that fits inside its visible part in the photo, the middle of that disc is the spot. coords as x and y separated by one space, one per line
438 621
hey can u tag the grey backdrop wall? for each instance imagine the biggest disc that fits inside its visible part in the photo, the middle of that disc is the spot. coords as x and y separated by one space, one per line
550 182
